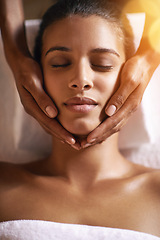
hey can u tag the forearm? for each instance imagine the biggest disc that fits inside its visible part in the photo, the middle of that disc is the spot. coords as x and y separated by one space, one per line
150 42
149 53
13 30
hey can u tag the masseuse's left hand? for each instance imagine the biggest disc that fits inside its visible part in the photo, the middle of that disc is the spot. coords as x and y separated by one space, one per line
135 76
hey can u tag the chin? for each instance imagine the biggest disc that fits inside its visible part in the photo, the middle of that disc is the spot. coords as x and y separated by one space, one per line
80 127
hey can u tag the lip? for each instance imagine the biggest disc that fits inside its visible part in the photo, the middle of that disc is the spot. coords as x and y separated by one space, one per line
80 101
80 104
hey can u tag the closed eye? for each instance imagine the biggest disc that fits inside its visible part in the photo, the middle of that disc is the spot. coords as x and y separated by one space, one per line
106 68
60 65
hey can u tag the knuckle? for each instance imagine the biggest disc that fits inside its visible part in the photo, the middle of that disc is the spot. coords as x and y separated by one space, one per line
134 109
114 123
24 105
133 82
135 105
31 83
115 126
28 106
119 100
28 83
27 109
116 129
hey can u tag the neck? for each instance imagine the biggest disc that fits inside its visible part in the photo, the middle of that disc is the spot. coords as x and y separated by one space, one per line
87 166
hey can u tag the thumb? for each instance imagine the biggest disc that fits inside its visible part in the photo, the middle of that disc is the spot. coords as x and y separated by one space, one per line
117 100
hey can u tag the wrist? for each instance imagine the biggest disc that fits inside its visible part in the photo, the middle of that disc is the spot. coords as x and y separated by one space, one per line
15 51
16 58
14 41
149 53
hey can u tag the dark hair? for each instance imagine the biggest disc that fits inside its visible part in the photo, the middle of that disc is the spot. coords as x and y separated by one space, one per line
106 9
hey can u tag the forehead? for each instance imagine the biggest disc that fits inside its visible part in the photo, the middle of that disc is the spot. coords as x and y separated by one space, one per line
84 33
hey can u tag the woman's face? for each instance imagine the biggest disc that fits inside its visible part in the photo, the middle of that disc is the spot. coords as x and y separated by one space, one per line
81 60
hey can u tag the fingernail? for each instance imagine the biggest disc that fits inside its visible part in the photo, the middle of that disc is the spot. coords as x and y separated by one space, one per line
51 112
71 141
75 147
92 140
86 145
111 110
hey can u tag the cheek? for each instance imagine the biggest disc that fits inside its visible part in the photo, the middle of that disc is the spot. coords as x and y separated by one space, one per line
50 86
108 85
53 86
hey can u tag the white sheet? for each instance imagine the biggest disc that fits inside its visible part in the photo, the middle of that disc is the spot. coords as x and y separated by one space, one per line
43 230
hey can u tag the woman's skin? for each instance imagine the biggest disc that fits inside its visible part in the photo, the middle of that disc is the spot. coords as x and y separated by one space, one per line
83 81
135 76
95 185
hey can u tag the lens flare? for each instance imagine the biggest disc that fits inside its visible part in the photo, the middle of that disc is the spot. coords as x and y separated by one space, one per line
154 35
132 6
152 25
151 7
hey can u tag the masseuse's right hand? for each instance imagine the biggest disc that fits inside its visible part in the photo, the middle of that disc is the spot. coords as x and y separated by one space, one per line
27 72
36 102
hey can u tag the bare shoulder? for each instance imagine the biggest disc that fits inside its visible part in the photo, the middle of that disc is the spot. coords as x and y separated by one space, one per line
11 173
154 178
149 177
9 167
6 169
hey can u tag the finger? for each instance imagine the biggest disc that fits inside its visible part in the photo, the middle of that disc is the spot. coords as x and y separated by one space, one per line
113 124
55 129
117 100
29 77
84 143
76 146
42 99
101 133
51 125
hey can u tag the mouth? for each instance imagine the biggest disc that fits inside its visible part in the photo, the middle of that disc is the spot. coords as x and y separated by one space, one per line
80 104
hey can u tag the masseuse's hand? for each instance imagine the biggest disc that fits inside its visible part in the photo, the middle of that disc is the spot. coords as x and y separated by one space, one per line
135 76
27 73
36 102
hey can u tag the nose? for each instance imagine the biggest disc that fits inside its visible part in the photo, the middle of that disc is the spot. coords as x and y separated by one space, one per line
82 78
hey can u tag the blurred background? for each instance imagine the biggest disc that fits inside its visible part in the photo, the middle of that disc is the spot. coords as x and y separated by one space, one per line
34 9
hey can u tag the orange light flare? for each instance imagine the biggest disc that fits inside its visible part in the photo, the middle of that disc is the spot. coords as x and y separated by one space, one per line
154 35
152 25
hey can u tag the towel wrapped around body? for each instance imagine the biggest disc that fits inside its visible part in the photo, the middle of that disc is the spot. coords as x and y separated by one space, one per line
46 230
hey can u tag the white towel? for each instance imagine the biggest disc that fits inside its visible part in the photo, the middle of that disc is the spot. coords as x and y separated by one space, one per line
45 230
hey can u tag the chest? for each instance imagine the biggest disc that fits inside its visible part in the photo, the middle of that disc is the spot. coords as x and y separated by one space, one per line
108 207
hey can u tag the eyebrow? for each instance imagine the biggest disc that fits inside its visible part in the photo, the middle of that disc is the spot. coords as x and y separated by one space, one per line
96 50
105 50
58 48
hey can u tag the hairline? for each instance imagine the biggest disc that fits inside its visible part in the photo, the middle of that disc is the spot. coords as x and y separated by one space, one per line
114 24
